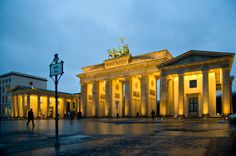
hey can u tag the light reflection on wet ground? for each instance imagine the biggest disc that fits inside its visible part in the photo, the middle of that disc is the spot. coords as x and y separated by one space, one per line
125 126
119 137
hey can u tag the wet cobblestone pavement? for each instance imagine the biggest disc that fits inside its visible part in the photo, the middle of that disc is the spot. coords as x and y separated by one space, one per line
120 137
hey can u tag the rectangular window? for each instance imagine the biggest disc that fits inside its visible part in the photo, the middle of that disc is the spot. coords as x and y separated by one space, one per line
9 79
3 90
193 84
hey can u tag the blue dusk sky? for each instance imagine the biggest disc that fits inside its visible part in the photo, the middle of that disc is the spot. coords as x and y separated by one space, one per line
81 31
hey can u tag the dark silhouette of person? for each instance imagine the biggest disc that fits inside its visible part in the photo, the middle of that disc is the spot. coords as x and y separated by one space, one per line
30 117
153 114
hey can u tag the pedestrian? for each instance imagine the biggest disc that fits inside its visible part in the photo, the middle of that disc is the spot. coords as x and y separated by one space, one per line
30 117
137 114
153 114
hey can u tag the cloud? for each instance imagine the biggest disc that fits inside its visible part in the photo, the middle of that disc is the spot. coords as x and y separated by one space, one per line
81 31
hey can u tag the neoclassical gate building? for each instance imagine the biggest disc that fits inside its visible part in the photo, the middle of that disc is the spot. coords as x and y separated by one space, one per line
127 85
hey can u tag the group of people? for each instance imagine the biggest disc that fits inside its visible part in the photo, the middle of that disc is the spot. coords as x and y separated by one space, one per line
71 116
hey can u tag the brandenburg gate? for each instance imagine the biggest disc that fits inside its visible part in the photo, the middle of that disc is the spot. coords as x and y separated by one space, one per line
126 86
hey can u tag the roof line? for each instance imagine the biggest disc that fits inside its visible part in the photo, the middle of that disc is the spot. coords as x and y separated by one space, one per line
23 75
202 52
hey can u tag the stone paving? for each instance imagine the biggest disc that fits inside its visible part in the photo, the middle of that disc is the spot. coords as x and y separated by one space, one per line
119 137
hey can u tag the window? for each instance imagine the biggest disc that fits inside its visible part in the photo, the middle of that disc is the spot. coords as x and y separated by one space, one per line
193 84
2 81
6 80
2 99
31 83
3 90
9 80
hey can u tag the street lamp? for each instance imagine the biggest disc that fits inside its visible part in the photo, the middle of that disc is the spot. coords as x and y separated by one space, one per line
56 71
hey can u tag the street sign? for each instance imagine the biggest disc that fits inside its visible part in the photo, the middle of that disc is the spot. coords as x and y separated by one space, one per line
56 69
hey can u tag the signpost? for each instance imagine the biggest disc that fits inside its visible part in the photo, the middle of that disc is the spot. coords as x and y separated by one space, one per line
56 71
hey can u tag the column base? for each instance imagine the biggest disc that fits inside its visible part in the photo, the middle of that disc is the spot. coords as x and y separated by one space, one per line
180 117
204 116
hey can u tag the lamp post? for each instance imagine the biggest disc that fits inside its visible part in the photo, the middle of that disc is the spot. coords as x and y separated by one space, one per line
56 71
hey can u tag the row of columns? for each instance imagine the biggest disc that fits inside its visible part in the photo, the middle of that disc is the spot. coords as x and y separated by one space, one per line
127 105
166 98
21 108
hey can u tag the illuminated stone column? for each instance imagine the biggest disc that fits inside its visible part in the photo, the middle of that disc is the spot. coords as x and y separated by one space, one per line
38 106
176 96
17 106
109 97
212 93
48 105
205 92
23 106
123 102
181 94
14 105
65 105
144 95
102 98
225 91
76 105
170 106
128 94
83 99
231 100
28 104
96 98
163 96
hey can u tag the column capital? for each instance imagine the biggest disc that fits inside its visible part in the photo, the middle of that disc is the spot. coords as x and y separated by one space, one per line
180 71
225 66
205 68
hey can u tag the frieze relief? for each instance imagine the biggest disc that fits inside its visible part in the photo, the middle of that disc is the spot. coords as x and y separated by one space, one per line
117 62
136 94
115 73
152 92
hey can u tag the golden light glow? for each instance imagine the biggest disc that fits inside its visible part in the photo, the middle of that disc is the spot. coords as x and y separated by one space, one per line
181 109
226 108
220 76
143 110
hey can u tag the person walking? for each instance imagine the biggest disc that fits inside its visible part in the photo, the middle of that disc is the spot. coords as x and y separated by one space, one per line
30 117
153 114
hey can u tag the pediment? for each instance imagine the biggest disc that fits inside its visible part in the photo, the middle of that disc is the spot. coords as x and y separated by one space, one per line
194 56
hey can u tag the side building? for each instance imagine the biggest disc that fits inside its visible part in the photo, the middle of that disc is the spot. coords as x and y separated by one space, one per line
19 92
11 80
43 102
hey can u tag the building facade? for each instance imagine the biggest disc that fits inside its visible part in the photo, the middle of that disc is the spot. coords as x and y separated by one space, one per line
124 86
11 80
127 85
20 92
42 102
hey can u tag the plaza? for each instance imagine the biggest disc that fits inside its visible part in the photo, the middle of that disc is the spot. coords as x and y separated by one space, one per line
142 136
